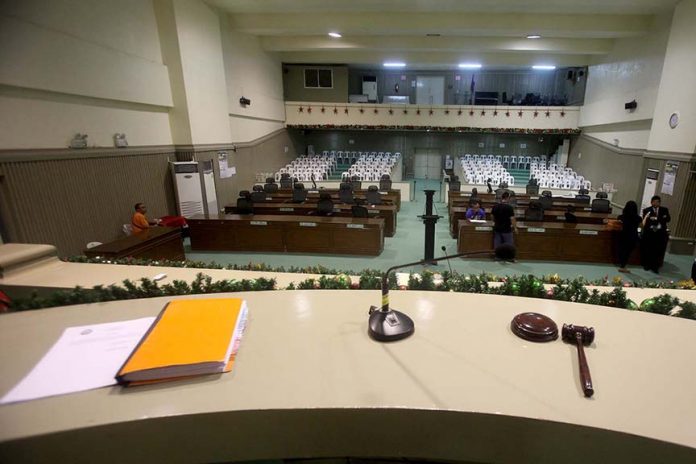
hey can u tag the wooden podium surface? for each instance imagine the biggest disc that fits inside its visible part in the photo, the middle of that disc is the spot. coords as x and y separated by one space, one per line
153 243
310 383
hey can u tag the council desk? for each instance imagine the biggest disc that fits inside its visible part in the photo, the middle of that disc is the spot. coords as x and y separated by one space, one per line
308 382
389 196
295 234
153 243
548 241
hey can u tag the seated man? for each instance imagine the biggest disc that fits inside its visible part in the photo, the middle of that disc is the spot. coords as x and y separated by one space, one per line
475 211
139 221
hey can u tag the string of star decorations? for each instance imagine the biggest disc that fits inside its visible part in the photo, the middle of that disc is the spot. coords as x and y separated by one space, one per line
432 111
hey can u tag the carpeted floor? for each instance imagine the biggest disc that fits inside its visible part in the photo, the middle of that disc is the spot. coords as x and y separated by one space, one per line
407 246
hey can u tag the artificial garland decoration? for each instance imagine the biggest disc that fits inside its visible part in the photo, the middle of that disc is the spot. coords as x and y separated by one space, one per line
524 286
478 130
553 279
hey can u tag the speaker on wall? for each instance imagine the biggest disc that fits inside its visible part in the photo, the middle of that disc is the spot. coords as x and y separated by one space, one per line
632 105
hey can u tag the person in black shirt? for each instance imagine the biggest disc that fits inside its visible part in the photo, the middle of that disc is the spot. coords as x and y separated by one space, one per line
504 222
654 241
628 237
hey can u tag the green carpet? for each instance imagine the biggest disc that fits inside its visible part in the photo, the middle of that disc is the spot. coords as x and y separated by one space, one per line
407 246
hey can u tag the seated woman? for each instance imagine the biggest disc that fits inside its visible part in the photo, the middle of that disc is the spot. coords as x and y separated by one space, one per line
475 211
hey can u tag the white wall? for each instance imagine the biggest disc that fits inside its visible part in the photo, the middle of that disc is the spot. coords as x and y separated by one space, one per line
677 91
631 71
67 68
257 75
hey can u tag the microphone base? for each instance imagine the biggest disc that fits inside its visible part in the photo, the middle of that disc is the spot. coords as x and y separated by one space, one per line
389 326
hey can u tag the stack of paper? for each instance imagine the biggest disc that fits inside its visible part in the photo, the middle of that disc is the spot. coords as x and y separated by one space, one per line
189 337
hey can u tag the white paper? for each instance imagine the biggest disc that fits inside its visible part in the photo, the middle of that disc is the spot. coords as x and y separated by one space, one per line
83 358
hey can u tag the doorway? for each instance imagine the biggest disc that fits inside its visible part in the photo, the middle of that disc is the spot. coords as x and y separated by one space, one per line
430 90
427 164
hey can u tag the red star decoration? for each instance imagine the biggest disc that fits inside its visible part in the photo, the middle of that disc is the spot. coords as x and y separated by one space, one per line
495 113
446 111
483 112
323 109
459 112
536 113
309 109
391 111
548 114
430 112
562 113
519 113
300 109
471 112
345 110
335 110
507 113
405 111
418 111
362 110
376 111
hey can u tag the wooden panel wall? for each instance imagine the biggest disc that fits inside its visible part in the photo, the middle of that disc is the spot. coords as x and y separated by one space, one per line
71 198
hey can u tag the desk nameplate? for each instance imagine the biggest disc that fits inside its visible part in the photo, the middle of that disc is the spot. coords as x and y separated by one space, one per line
587 209
560 218
355 226
258 223
589 232
483 228
308 224
286 209
536 230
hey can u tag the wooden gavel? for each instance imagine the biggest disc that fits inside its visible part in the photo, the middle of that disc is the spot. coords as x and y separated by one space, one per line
580 336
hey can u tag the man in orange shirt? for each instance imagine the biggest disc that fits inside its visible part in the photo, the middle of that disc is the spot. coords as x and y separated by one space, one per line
139 220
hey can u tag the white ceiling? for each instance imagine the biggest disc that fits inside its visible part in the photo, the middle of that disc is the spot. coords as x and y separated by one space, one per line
492 32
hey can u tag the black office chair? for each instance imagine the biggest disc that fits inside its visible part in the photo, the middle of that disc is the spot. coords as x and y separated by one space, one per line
546 202
299 194
455 185
535 212
385 182
356 183
499 193
570 217
601 205
583 191
532 189
546 193
373 196
512 199
325 205
345 193
602 195
270 186
359 211
258 195
285 181
533 181
244 203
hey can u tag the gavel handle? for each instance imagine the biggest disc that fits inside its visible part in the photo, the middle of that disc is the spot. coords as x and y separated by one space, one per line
585 378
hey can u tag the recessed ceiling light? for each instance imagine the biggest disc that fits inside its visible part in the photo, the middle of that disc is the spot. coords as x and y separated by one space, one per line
544 67
335 34
394 64
534 36
470 65
433 35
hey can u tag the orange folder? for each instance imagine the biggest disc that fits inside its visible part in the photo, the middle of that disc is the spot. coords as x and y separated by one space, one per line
189 337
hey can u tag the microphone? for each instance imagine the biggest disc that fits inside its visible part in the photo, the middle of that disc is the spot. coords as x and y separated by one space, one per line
314 184
444 250
388 325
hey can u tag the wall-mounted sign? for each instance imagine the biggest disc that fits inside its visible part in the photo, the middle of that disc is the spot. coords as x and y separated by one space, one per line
670 177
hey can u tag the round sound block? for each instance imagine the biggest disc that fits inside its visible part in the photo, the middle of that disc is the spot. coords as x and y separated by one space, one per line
534 327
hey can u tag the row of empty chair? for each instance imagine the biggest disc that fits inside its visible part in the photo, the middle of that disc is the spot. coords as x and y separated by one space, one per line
479 170
371 167
352 157
508 161
555 176
306 168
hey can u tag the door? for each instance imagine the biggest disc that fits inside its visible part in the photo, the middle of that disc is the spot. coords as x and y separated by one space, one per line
427 164
650 187
430 90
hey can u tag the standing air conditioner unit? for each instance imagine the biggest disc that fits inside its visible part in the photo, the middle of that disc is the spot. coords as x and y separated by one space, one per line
194 184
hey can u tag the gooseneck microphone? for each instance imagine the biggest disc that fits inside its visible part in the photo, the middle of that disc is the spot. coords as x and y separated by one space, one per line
386 324
444 250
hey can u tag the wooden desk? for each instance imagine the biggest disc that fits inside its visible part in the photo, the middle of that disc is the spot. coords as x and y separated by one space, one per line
309 383
521 197
548 241
387 212
295 234
391 196
458 213
154 243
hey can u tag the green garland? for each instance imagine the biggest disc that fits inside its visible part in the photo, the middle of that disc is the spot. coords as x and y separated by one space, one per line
373 275
524 286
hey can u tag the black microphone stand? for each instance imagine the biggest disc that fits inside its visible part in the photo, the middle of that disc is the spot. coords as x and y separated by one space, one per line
386 324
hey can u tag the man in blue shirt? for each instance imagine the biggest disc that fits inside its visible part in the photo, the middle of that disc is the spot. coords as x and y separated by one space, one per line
475 211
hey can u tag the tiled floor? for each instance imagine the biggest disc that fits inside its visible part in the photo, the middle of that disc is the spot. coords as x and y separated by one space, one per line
408 246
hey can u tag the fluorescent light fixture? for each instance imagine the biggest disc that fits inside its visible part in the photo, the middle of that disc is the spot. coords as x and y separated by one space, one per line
470 65
394 64
544 67
335 34
534 36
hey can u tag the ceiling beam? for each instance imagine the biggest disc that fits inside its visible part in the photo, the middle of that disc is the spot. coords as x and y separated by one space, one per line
449 24
432 60
453 44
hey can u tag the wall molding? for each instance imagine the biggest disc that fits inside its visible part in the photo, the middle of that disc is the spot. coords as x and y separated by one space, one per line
670 155
613 148
231 146
47 154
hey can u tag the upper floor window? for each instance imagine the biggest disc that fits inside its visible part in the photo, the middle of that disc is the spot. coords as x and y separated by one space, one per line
318 78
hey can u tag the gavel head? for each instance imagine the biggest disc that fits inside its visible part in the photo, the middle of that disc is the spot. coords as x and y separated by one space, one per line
570 333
